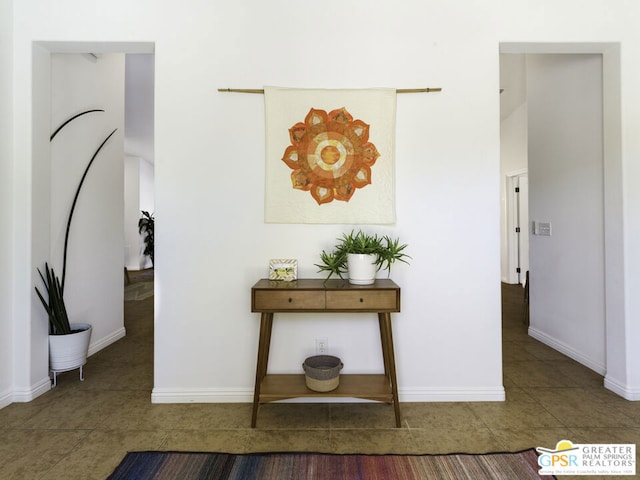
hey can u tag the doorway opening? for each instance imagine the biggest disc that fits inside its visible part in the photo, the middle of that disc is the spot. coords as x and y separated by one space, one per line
67 79
568 124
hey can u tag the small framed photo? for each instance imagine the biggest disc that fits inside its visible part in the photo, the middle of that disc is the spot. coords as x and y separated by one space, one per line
285 270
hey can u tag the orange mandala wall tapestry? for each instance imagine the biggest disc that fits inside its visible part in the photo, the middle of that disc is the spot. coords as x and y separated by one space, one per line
330 156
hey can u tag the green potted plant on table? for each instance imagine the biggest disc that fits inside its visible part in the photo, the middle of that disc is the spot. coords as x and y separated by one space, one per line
361 255
68 342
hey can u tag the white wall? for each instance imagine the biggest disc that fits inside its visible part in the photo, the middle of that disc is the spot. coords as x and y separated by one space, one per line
210 191
94 277
6 201
32 201
210 166
131 212
147 187
566 189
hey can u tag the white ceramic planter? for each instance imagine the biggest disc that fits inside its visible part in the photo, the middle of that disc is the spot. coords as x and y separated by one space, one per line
68 352
362 268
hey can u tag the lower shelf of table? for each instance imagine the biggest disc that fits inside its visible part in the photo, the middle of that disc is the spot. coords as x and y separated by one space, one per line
370 387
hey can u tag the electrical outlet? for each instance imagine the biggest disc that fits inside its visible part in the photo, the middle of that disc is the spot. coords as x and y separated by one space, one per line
322 346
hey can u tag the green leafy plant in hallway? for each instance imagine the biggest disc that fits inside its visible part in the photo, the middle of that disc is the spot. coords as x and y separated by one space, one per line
146 226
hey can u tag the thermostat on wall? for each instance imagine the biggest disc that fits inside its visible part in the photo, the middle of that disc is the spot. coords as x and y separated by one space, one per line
542 228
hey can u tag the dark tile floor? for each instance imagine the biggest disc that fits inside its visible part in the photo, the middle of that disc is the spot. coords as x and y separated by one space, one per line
82 430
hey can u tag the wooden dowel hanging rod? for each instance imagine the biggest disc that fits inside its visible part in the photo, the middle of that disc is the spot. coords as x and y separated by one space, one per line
260 90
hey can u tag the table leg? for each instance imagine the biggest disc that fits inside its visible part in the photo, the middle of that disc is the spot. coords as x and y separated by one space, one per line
383 342
264 342
386 336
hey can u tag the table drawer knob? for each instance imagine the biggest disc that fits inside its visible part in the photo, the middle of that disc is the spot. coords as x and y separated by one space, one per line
290 299
361 300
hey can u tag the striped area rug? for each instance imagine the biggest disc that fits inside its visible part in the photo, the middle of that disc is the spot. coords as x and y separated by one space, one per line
283 466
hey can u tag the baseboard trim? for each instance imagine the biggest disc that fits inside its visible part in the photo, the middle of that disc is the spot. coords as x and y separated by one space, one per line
6 398
621 389
453 394
106 341
29 394
205 395
437 394
570 352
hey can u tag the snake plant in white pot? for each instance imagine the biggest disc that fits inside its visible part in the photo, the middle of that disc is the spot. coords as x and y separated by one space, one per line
68 342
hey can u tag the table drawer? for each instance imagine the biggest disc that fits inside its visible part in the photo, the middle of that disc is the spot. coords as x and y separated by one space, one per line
363 300
288 300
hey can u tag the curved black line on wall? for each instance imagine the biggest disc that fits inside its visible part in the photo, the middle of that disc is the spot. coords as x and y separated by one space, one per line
72 118
73 205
